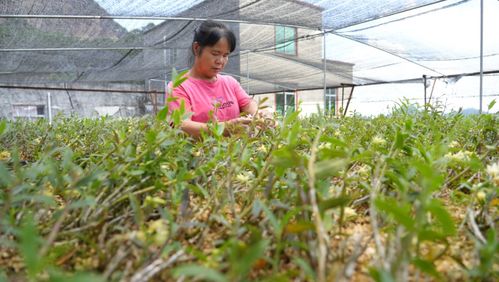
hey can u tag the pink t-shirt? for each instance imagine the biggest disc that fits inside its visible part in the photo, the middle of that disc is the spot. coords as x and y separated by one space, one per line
202 96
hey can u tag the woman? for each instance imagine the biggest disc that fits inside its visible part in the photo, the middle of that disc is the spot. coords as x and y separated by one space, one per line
206 93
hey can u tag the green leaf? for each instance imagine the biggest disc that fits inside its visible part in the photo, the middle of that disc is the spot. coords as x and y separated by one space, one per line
179 81
220 128
380 275
299 227
151 137
401 213
306 268
400 140
399 182
333 203
178 114
291 118
170 99
293 133
56 276
329 167
86 277
261 102
431 178
443 217
427 267
491 105
488 255
178 78
137 211
285 157
249 256
174 74
25 197
336 142
88 201
5 176
3 277
162 113
429 235
3 126
86 180
271 217
29 246
136 172
199 272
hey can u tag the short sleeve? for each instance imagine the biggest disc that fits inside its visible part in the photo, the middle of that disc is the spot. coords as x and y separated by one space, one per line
180 95
242 97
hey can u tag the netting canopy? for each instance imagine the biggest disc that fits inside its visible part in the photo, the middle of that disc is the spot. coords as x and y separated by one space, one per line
281 42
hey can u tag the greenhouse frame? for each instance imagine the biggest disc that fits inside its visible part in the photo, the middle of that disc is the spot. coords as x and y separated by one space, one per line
97 47
292 140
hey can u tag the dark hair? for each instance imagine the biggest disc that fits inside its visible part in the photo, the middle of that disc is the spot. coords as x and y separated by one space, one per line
210 32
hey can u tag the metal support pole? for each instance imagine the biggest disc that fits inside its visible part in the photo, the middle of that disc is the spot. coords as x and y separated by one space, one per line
153 98
481 54
342 96
348 102
432 89
325 66
166 91
166 70
155 102
336 101
424 85
285 102
247 73
164 51
49 107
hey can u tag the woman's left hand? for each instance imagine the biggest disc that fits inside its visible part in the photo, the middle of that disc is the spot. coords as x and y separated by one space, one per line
266 119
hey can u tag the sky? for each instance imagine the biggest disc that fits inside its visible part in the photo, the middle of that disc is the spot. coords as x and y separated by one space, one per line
434 40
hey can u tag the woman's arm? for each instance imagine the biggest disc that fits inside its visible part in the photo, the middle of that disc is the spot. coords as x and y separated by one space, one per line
251 108
194 128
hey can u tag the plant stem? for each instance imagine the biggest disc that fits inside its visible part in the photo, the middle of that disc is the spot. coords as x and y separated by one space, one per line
321 233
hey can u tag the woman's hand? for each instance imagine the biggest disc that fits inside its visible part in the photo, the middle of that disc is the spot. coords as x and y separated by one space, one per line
240 120
265 119
237 125
265 114
244 124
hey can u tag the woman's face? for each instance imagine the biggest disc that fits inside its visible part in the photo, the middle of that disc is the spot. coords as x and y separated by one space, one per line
212 59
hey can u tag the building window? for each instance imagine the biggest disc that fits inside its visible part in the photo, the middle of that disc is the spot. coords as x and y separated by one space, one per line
285 102
173 56
285 38
28 111
170 56
330 101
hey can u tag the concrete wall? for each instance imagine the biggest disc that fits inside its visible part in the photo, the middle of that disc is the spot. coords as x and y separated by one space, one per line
80 103
310 100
